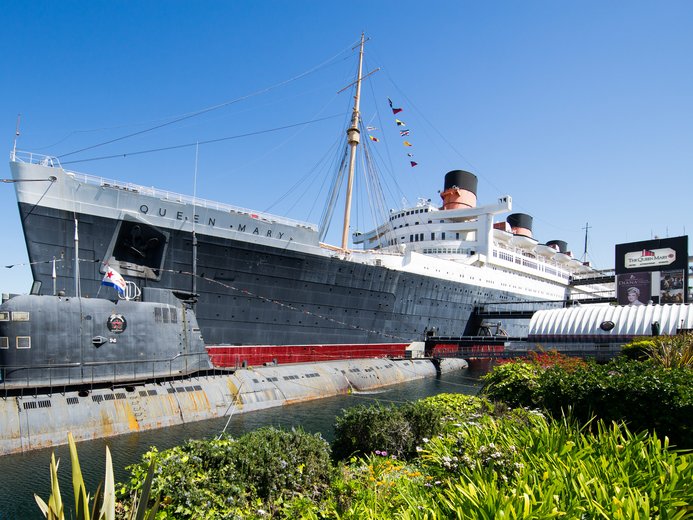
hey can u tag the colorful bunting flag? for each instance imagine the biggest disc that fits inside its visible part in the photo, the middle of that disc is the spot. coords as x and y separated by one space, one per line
404 132
374 139
394 110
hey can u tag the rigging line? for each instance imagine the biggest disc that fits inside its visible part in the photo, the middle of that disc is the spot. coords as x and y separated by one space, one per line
287 140
300 181
438 132
478 171
387 145
33 207
209 109
379 211
210 141
25 264
287 305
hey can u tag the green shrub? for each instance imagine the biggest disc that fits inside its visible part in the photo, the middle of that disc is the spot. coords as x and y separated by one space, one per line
520 465
645 395
515 383
637 349
232 478
456 408
555 469
362 430
672 351
397 430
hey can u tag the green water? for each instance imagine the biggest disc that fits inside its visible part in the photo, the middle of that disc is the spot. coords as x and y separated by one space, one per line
23 475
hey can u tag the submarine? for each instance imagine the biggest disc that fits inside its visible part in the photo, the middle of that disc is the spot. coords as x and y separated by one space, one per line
99 367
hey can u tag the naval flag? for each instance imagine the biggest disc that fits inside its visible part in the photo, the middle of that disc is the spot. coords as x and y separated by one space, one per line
114 279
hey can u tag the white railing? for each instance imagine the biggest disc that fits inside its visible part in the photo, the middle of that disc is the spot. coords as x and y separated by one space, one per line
34 158
169 196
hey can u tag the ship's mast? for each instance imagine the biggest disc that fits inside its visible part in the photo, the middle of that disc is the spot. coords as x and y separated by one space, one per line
353 138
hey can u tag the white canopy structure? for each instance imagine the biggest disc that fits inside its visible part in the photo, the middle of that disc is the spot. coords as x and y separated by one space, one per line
600 324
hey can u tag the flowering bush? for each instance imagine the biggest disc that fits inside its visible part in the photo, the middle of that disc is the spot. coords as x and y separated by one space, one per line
396 429
228 478
508 463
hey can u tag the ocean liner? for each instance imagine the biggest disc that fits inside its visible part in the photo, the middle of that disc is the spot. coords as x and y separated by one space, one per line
266 288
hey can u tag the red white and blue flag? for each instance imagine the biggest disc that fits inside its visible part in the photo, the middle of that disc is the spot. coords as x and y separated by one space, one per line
114 279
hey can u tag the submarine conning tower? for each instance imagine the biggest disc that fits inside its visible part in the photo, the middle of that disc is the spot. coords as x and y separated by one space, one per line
49 341
559 245
459 190
520 224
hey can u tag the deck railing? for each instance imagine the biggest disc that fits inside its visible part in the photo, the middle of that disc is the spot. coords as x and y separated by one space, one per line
14 378
165 195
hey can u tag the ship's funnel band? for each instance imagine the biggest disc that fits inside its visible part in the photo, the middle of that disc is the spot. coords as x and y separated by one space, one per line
459 190
461 179
559 245
521 224
456 198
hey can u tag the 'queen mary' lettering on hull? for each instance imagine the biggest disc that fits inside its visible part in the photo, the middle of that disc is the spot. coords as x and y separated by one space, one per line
212 222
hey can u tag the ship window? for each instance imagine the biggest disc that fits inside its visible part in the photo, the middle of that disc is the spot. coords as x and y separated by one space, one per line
433 236
174 316
157 315
442 235
4 316
421 236
4 342
165 315
20 316
23 341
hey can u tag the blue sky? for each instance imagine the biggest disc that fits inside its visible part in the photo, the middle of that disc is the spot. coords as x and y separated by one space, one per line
582 111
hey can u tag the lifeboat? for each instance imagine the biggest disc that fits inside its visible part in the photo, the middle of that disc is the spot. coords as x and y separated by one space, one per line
523 242
562 258
502 235
574 264
544 250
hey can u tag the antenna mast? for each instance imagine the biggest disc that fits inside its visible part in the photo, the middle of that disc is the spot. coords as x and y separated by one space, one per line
353 138
16 135
586 228
194 235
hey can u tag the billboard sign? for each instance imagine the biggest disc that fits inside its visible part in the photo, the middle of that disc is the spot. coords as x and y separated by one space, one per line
652 270
650 258
652 255
634 289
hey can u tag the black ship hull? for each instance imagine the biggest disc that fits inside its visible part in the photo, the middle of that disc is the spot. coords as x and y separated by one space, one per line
252 294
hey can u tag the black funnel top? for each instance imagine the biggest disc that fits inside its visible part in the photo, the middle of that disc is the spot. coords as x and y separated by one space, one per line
520 220
462 179
561 244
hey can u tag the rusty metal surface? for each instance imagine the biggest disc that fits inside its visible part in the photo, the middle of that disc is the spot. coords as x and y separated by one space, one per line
33 422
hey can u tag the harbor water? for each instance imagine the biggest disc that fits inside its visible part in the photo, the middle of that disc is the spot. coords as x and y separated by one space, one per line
24 474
